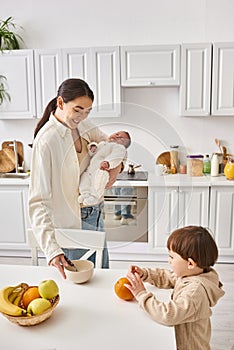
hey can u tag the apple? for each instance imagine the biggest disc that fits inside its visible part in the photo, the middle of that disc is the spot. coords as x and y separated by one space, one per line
38 306
48 289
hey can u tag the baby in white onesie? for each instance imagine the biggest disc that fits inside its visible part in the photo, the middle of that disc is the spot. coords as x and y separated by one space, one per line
105 155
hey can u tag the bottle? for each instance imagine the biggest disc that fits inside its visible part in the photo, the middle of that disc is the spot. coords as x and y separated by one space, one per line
206 165
174 159
214 165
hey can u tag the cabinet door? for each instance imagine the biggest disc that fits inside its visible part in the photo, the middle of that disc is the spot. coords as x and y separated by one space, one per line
48 73
18 67
154 65
13 218
223 79
193 206
76 63
106 81
195 89
222 218
163 210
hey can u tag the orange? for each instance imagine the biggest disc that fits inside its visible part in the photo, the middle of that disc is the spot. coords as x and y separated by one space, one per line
122 291
30 294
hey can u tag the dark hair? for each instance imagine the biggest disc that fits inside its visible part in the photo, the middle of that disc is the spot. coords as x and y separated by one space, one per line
194 242
128 143
68 90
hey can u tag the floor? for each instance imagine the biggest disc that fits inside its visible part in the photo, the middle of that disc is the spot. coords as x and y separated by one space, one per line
223 313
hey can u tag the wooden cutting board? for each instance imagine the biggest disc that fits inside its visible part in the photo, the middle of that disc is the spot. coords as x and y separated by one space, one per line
7 160
164 158
20 149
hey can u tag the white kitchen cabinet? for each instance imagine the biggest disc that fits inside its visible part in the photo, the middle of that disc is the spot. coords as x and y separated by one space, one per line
223 79
174 207
99 67
195 89
207 79
105 63
48 76
18 67
222 219
13 217
152 65
77 63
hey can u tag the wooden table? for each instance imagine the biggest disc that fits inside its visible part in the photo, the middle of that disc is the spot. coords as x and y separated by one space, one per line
89 316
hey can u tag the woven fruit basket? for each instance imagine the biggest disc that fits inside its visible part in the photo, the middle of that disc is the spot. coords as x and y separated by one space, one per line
34 320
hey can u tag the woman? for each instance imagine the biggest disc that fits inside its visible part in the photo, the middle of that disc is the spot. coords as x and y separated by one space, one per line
59 157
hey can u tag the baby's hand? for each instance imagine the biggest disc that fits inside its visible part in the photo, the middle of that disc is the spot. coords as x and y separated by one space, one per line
104 165
93 148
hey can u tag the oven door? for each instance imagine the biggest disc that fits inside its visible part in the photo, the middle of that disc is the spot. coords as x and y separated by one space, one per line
119 204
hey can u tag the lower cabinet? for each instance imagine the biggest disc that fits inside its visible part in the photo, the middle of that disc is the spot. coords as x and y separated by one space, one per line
222 220
174 207
13 218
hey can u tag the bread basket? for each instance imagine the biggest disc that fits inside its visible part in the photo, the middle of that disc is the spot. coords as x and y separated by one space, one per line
34 320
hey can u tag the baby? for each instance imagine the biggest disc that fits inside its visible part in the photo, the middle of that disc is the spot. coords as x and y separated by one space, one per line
105 155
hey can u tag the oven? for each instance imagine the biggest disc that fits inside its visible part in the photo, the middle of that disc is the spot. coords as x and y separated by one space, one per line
126 213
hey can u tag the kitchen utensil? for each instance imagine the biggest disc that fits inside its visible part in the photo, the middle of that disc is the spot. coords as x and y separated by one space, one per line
164 159
70 263
217 141
7 160
131 168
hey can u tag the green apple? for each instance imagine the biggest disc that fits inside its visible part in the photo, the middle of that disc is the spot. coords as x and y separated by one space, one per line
48 289
38 306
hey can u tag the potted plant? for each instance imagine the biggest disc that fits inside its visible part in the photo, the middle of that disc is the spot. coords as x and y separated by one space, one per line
3 93
9 40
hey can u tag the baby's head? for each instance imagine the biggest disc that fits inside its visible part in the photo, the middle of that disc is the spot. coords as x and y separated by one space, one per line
196 243
120 137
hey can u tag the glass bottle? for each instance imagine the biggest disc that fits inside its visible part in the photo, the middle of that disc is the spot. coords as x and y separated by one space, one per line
214 165
206 164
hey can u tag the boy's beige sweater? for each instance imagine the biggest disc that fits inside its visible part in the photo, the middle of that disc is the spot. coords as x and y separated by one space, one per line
189 308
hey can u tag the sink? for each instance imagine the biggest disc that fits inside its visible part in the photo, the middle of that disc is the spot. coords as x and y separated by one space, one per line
14 175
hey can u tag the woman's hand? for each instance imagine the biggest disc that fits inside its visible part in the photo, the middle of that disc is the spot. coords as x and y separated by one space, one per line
59 262
113 173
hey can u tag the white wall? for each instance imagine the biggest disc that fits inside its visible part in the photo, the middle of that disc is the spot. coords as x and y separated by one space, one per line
151 114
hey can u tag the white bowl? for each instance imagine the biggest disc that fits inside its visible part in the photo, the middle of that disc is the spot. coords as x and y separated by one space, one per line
85 271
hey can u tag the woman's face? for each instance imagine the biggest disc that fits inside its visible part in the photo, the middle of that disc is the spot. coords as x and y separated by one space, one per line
73 112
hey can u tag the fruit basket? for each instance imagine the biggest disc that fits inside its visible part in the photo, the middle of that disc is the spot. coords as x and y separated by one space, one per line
33 320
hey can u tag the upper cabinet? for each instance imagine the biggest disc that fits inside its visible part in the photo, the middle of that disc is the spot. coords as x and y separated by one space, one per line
223 79
195 86
105 81
153 65
48 76
18 68
207 79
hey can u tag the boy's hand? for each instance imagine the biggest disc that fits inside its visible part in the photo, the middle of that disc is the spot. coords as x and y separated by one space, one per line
136 285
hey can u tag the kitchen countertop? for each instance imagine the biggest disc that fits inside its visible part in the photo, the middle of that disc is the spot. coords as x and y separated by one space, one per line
153 180
88 316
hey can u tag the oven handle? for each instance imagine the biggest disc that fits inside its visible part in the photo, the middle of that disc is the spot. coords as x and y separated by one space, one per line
126 202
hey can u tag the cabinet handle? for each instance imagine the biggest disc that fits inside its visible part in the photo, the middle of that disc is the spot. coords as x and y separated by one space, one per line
151 83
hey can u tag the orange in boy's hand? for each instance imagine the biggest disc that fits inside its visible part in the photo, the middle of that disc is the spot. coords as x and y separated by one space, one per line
121 291
30 294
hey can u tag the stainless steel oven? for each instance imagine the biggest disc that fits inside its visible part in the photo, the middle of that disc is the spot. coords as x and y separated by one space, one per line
126 213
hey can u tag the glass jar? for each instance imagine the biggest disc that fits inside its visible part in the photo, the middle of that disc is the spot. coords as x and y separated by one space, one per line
195 165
